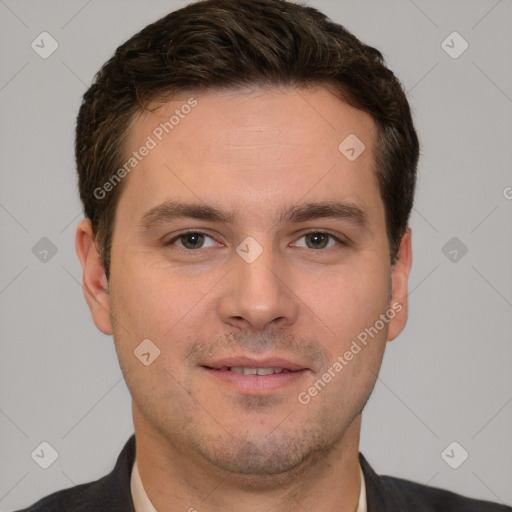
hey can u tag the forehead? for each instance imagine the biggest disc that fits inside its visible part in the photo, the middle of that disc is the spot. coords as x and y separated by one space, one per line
252 149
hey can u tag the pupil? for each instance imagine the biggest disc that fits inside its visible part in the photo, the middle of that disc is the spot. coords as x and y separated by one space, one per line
318 237
192 239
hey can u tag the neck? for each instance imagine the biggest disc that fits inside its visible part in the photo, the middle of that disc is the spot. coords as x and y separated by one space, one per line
176 478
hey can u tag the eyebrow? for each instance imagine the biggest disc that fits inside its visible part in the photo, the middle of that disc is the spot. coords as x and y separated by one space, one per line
172 210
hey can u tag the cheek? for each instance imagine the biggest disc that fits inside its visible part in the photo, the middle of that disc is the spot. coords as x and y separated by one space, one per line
355 341
156 301
150 315
349 301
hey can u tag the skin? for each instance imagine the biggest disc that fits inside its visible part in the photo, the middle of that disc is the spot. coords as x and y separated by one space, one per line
203 443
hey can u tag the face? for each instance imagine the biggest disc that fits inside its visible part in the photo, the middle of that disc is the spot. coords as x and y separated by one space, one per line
252 253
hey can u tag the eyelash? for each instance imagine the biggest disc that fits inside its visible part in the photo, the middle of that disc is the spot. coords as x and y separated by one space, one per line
190 251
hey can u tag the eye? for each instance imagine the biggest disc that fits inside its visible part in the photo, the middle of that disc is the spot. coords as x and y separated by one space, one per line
191 240
319 240
195 240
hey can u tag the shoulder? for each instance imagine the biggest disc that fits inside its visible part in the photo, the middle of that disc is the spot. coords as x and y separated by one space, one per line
110 493
387 493
433 498
79 498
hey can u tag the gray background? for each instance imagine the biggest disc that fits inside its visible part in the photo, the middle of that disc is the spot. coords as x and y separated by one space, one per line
446 378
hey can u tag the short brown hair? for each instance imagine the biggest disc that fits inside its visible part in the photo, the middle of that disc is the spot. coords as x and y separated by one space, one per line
233 44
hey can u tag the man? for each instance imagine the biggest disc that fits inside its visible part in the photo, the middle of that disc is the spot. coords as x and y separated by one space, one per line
247 170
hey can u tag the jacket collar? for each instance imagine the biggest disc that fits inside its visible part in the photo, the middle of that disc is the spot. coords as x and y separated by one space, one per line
381 495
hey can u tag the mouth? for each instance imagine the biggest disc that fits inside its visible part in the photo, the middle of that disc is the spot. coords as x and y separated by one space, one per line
250 376
245 370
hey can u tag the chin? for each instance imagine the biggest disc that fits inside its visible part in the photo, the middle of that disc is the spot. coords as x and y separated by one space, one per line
270 460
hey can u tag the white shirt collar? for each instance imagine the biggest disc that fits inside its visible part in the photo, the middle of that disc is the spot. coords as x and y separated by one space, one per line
362 507
142 502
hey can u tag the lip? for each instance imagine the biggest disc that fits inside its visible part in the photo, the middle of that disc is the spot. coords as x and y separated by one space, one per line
256 384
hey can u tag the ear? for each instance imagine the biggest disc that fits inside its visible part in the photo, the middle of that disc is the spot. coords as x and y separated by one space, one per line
94 281
399 286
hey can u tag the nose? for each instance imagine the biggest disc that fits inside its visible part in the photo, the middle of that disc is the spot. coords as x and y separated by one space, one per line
259 295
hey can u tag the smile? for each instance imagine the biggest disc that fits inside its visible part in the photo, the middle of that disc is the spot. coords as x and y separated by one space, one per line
254 379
